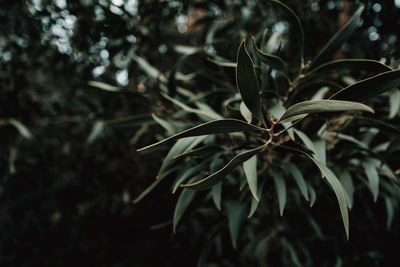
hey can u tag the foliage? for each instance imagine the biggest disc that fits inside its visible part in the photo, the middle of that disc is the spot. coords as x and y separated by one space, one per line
86 82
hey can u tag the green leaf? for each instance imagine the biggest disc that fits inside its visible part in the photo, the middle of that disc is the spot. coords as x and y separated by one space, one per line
337 40
245 112
236 216
298 177
250 170
394 98
320 106
247 83
312 194
347 182
294 22
178 148
200 152
189 173
254 202
320 150
370 87
373 178
274 61
104 86
213 127
219 175
21 128
165 124
184 200
352 64
280 187
389 212
216 193
339 192
97 130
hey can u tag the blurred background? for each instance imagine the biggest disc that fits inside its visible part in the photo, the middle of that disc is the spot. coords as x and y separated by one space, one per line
79 80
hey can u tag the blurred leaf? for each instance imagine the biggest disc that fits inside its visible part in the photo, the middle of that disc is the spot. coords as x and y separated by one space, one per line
337 40
245 112
216 193
293 255
216 190
219 175
373 178
389 211
236 216
165 124
347 182
320 106
105 86
212 127
294 22
21 128
274 61
254 202
247 83
280 187
312 194
178 148
97 129
370 87
394 98
298 177
250 170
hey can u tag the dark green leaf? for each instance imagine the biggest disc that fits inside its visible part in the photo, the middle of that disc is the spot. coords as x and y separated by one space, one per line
219 175
247 83
254 202
250 170
352 64
320 106
213 127
373 179
370 87
21 128
274 61
184 200
280 187
389 212
216 190
347 182
339 192
200 152
337 40
312 194
236 216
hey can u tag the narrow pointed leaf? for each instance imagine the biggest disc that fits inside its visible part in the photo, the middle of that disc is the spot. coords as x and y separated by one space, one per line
394 98
236 216
298 177
216 194
373 179
347 182
184 200
320 106
250 171
337 40
178 148
200 152
254 203
247 83
213 127
352 64
370 87
280 187
245 112
189 173
339 192
219 175
294 22
389 212
21 128
312 194
274 61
